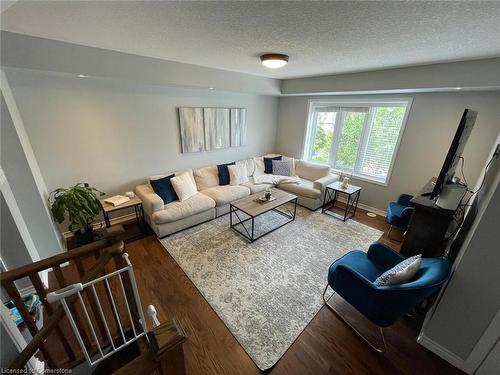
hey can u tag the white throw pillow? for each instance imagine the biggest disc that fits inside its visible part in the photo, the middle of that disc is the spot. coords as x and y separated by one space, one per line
401 272
184 186
291 162
237 174
259 165
206 178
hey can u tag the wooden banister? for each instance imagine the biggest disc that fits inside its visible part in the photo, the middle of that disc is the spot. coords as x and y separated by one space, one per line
39 338
57 260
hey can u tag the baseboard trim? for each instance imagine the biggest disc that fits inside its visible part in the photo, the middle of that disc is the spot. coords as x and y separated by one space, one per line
444 353
366 207
102 224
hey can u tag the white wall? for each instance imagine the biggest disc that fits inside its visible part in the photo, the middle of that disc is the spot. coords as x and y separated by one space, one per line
431 125
24 188
114 134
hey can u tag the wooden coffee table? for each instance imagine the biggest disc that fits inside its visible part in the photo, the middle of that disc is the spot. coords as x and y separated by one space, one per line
245 211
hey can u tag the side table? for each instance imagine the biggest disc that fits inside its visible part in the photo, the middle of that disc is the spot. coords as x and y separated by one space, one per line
331 194
135 202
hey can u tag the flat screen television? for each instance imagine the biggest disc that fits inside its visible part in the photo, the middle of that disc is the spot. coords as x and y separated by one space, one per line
457 146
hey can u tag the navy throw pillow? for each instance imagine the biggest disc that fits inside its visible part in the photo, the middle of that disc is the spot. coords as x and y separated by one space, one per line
163 187
268 164
224 173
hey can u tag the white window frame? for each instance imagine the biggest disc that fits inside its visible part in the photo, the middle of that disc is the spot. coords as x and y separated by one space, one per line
310 130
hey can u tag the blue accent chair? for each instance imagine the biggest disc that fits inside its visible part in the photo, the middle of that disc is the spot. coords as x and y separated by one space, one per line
353 276
399 213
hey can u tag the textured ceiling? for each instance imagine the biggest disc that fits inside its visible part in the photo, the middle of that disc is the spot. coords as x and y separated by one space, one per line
320 37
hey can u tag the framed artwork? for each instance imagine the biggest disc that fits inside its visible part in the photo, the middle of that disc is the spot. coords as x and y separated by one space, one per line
238 127
216 128
192 129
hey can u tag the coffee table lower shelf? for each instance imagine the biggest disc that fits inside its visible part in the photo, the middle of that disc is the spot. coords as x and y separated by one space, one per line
249 233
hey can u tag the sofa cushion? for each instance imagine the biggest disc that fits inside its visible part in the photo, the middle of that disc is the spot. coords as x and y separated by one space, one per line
226 194
259 165
255 188
281 167
237 174
184 186
206 177
250 164
179 210
292 162
224 173
311 171
163 187
268 164
305 189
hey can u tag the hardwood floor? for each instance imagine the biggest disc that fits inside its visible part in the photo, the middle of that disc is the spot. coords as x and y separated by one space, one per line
326 346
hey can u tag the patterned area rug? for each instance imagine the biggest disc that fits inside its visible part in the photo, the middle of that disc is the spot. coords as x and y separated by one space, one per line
266 292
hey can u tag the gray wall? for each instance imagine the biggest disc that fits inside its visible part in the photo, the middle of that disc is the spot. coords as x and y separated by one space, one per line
23 185
115 134
482 73
431 125
28 52
13 251
471 299
9 350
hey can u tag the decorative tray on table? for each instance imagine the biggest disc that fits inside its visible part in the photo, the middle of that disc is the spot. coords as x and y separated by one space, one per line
264 200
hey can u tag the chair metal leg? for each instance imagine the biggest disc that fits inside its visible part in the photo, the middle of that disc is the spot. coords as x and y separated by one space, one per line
381 330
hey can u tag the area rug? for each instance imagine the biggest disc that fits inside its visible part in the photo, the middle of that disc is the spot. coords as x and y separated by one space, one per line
266 292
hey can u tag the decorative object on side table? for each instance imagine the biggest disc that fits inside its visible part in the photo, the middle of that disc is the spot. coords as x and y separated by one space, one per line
331 193
135 202
345 183
117 200
80 205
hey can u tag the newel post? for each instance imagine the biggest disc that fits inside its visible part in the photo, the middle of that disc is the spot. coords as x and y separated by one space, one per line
167 341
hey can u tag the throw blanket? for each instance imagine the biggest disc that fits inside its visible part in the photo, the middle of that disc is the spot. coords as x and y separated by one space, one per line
275 179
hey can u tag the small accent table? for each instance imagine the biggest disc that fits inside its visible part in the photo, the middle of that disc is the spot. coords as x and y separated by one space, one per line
330 198
133 202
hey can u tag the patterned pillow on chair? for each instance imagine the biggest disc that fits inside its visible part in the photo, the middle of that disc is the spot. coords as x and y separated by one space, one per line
281 167
401 272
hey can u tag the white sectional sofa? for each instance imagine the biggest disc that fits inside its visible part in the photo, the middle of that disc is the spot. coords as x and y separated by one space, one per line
212 200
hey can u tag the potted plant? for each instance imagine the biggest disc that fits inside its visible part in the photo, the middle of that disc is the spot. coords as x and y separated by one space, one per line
79 203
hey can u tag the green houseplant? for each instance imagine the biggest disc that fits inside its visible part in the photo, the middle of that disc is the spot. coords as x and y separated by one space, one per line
79 203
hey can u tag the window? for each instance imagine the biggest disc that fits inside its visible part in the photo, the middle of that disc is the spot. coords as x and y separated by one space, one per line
356 137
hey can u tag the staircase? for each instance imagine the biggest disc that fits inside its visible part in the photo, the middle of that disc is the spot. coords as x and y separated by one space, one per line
94 322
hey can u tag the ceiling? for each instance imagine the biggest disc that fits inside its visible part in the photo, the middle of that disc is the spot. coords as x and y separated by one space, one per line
320 37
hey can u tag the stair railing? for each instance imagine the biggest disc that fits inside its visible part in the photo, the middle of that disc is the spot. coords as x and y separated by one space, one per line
102 252
69 292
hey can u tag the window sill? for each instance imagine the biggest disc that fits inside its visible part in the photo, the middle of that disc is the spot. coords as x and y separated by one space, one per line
362 178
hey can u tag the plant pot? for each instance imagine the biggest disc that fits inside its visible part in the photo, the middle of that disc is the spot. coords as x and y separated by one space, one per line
85 237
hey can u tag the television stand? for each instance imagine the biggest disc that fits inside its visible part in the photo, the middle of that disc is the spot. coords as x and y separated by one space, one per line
428 226
428 188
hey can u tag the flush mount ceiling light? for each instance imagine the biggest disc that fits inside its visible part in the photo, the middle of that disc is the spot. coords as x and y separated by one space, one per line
274 60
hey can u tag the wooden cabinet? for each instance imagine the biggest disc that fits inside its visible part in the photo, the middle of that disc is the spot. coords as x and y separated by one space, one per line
426 233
